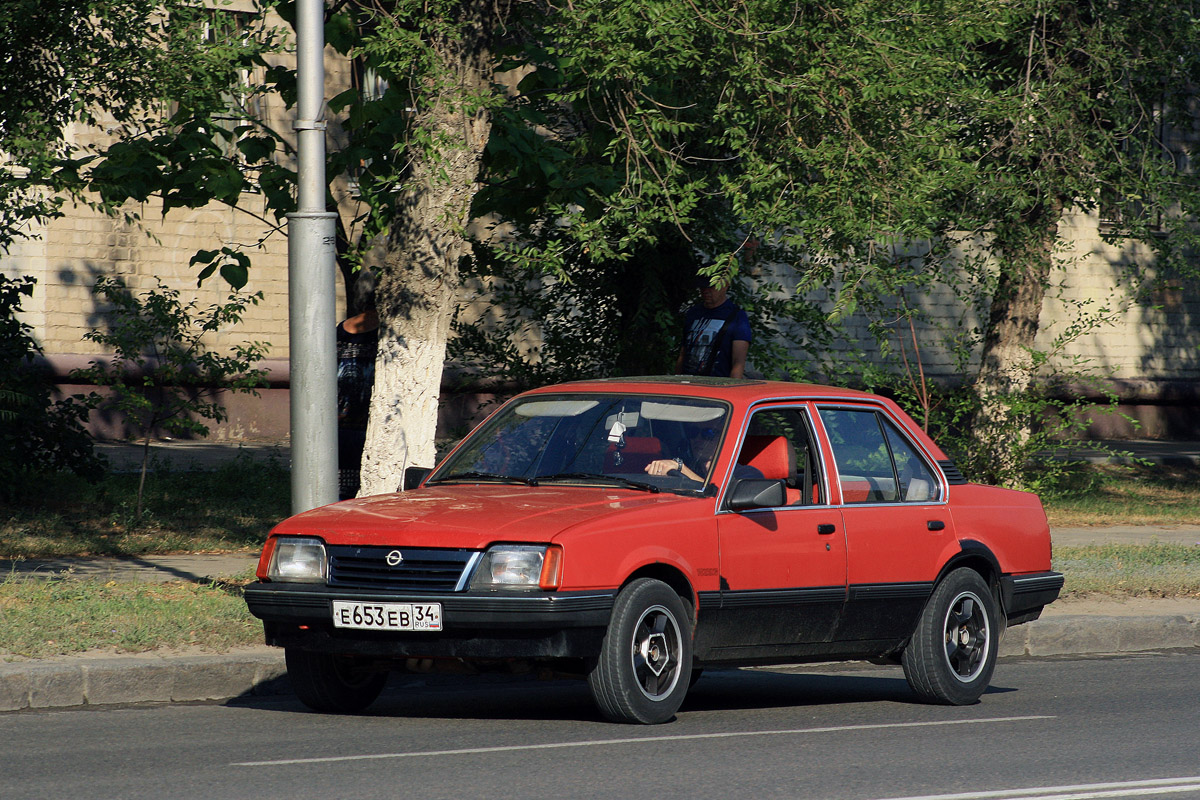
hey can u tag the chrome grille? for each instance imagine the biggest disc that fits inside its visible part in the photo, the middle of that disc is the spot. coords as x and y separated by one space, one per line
419 570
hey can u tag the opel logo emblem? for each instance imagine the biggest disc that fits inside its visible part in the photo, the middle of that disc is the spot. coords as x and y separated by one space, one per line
394 558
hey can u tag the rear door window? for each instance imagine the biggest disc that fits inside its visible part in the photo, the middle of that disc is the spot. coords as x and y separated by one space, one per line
876 463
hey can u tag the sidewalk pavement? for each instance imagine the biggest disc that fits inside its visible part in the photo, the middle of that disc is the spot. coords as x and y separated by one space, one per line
196 568
1070 627
1127 450
187 454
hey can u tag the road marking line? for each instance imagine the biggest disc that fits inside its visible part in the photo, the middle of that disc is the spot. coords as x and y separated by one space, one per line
1083 791
636 740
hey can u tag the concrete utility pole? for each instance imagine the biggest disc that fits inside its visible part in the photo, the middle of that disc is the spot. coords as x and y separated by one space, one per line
312 267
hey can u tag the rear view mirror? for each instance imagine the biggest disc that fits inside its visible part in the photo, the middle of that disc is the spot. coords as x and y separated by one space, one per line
749 493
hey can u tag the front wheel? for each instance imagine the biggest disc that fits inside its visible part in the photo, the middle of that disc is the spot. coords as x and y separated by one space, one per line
952 654
645 663
334 684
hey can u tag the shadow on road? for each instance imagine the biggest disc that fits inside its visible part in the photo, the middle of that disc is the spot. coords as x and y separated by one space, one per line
524 697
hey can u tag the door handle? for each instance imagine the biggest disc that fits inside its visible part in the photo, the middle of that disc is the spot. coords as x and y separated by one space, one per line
825 530
935 525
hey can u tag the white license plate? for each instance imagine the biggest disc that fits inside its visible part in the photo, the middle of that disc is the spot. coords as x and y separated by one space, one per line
387 616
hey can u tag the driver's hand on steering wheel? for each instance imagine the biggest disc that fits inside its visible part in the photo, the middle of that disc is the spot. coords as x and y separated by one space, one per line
666 466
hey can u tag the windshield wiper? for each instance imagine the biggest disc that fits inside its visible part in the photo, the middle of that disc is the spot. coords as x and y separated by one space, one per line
591 476
474 475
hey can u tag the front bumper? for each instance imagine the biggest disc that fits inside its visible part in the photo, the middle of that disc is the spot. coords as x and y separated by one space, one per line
475 625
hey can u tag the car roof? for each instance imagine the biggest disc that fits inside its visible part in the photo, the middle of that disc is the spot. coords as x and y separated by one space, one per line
740 391
742 394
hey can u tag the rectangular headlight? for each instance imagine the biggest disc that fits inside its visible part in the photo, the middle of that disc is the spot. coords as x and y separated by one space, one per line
298 560
518 566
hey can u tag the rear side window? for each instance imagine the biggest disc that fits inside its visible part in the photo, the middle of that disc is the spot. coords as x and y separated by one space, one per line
876 463
917 483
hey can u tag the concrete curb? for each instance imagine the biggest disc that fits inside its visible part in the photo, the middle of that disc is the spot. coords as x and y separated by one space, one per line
1096 634
261 672
141 679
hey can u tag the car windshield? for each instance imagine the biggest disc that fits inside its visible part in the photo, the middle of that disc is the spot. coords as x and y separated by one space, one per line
596 439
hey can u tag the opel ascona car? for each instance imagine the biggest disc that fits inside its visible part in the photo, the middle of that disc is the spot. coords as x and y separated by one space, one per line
636 531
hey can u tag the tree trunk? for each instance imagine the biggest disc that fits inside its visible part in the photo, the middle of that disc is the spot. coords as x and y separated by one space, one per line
1007 368
419 279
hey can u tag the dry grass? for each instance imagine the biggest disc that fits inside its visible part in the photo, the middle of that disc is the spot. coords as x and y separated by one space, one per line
1126 570
228 509
53 617
1136 495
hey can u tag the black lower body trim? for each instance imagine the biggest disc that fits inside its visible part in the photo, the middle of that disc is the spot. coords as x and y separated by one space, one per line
882 611
1024 596
764 620
466 644
813 652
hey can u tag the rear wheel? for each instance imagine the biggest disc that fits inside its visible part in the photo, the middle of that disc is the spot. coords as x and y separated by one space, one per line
334 684
952 654
645 663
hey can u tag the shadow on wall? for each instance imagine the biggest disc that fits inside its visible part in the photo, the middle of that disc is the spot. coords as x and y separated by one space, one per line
1165 399
261 416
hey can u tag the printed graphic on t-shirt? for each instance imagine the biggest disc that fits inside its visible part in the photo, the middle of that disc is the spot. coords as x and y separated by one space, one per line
355 378
702 338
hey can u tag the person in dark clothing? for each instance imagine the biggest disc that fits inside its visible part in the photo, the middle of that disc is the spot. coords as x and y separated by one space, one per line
716 334
357 345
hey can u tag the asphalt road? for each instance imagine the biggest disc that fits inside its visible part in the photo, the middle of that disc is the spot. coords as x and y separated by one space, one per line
1082 728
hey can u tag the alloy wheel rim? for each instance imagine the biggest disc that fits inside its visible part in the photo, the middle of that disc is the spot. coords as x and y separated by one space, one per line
967 639
656 653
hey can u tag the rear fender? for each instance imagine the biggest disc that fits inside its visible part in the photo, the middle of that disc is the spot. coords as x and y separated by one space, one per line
979 557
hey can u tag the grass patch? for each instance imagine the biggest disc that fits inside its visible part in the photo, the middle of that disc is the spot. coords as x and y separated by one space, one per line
231 508
1153 570
1158 494
40 618
228 509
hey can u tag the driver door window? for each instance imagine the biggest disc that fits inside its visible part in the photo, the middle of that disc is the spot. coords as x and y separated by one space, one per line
778 446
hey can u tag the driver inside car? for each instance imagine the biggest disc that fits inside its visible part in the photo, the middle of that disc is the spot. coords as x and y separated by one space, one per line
702 443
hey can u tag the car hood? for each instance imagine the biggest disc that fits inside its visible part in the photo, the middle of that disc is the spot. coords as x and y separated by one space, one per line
472 516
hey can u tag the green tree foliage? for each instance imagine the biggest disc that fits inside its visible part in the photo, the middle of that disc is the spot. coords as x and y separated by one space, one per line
161 374
38 434
874 146
870 147
1073 109
835 131
141 71
779 122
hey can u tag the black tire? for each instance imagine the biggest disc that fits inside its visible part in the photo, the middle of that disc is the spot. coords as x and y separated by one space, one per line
333 684
645 663
952 654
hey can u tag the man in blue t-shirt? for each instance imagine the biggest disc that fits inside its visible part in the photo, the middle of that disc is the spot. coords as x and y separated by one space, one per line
716 335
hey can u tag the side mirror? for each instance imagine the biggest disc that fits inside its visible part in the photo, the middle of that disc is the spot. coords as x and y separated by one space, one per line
413 477
749 494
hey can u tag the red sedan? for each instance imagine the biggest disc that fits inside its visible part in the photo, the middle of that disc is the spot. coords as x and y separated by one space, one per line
636 531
